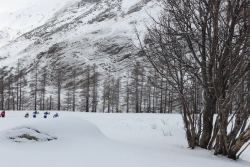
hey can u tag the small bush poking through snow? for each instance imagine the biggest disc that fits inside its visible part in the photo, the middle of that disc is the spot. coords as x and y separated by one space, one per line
165 122
29 137
166 133
153 126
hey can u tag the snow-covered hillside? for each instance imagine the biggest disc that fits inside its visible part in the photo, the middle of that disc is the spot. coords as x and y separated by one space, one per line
72 35
18 17
102 140
85 29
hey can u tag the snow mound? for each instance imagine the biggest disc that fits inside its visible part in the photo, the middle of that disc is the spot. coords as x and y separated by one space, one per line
71 128
27 134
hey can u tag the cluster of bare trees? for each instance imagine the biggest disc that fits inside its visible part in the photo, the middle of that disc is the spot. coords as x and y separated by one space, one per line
89 91
204 44
137 92
144 92
111 94
84 89
11 92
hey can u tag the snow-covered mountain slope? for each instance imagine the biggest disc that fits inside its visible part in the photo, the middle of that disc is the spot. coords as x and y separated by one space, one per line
69 35
18 17
72 31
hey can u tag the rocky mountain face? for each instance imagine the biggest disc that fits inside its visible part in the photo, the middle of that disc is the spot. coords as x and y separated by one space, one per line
76 36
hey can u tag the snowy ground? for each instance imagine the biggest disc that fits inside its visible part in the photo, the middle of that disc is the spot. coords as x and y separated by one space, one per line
102 140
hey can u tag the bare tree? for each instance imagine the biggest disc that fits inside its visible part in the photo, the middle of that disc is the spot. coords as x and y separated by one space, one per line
117 94
135 87
94 78
109 93
205 44
2 87
36 91
43 86
127 98
59 88
87 89
50 103
34 85
10 89
74 90
17 84
104 95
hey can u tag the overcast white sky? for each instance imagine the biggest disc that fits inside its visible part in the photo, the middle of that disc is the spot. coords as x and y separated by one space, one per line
11 5
15 13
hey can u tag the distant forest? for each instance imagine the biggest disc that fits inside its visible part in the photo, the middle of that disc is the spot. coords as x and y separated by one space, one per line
140 90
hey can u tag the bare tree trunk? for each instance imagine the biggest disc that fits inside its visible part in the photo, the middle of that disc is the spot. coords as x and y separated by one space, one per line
68 101
17 89
50 102
94 91
149 98
59 86
74 90
141 93
161 96
137 93
88 88
117 95
2 89
127 94
208 113
154 96
104 102
9 90
44 87
36 79
20 101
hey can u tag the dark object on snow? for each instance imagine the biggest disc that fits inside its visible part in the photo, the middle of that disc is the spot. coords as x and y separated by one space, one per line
3 114
36 112
47 113
56 115
34 116
26 115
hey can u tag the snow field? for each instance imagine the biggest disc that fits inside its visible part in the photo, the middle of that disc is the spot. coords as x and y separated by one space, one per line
103 140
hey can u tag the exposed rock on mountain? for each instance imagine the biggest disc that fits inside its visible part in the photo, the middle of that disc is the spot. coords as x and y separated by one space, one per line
74 35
